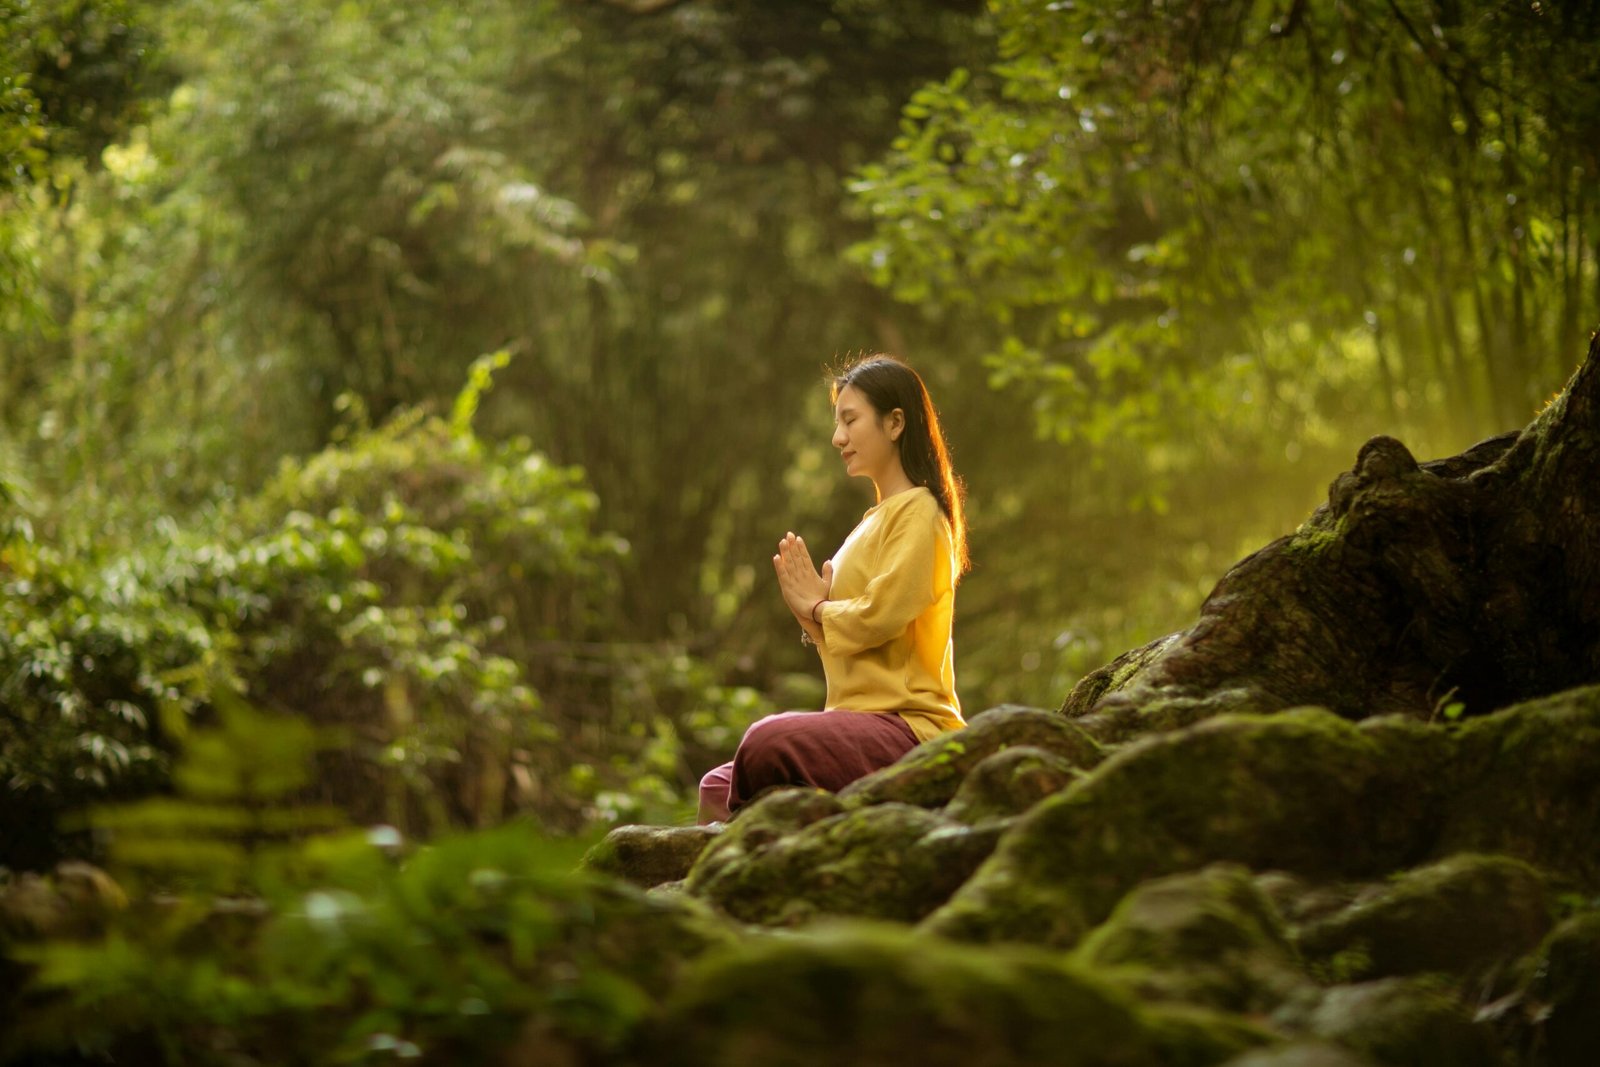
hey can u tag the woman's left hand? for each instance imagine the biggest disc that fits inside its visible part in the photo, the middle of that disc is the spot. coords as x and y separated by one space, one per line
799 581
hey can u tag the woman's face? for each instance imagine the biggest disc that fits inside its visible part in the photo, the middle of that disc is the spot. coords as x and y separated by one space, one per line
865 440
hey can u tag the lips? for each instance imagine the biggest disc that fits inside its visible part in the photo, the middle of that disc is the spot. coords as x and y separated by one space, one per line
846 456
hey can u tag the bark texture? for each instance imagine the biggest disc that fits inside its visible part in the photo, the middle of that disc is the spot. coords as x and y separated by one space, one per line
1473 580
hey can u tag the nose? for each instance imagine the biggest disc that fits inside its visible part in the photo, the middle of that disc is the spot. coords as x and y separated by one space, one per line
839 439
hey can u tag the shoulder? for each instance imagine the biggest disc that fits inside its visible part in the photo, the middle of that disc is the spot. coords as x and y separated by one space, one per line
917 503
917 510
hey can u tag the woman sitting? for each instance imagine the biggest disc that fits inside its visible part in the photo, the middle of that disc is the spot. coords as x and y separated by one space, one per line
879 612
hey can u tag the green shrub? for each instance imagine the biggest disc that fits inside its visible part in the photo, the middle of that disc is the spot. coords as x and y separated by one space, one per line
443 601
257 935
387 585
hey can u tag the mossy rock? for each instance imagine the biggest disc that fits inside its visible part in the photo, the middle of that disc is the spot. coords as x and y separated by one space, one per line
1561 995
1302 791
1009 783
1114 676
1397 1022
1286 791
889 861
758 828
1404 806
1528 785
776 812
1120 719
1463 916
930 774
649 855
1207 937
874 995
1302 901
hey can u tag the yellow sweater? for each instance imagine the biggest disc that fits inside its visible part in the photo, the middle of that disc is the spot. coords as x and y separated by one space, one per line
886 627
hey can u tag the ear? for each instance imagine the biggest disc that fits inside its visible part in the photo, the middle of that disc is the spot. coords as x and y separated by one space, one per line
897 423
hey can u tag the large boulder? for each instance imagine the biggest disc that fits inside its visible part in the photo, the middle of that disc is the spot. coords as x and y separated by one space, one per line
888 861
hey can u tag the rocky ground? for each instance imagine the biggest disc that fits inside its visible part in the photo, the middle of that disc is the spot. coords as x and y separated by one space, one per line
1254 889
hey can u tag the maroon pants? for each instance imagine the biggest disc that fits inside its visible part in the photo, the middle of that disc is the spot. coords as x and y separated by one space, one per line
827 749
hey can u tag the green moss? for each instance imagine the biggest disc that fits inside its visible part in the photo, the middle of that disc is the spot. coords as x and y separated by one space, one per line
1398 1022
649 855
1116 675
867 994
890 861
1142 712
1281 791
1125 670
1196 1037
1463 916
1301 901
930 774
1207 937
1316 538
1008 783
1561 992
1527 785
1346 965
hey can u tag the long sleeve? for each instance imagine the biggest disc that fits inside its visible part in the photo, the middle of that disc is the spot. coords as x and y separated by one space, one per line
907 582
886 641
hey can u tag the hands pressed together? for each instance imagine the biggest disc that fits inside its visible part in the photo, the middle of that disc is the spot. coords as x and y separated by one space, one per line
802 586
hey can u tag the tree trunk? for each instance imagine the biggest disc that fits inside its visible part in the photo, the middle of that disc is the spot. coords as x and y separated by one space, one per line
1451 587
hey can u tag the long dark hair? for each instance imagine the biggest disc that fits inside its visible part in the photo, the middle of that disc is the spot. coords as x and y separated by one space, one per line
888 383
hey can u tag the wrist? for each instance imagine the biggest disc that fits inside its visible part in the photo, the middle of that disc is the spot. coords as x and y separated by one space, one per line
821 601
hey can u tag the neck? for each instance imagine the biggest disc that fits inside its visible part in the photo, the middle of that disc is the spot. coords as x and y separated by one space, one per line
892 483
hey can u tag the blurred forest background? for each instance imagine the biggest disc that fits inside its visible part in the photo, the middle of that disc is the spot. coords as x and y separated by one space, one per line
444 374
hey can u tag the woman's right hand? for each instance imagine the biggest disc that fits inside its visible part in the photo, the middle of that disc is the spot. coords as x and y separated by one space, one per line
800 583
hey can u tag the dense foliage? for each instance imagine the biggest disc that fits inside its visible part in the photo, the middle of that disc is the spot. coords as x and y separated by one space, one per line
332 945
1167 204
412 585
